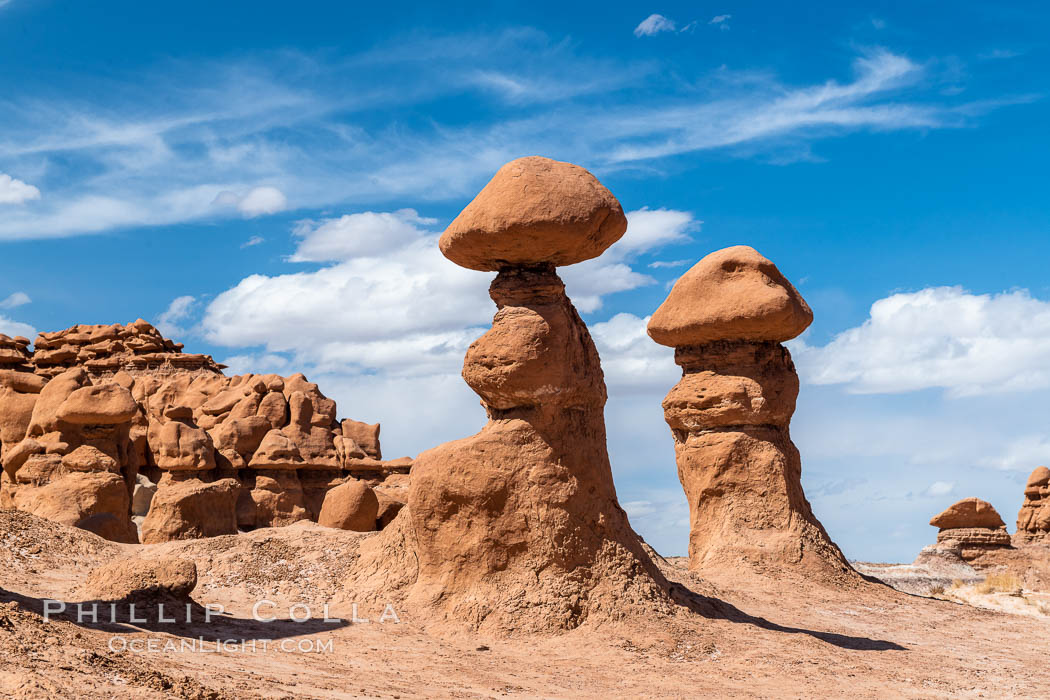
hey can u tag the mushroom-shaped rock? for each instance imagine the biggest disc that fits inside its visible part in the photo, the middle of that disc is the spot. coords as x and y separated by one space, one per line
22 382
99 404
52 396
1037 480
972 526
732 294
524 513
730 418
969 512
535 211
129 579
350 506
363 435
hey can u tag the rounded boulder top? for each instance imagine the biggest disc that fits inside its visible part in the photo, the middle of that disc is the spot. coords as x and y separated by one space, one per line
732 294
535 211
969 512
1039 477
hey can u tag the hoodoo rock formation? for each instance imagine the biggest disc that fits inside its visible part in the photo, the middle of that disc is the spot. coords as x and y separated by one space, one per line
518 527
105 427
1033 520
729 415
971 526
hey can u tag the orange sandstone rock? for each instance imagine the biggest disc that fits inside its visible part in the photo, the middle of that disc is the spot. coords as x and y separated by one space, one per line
969 512
732 294
972 527
1033 520
518 526
350 506
535 211
187 508
730 414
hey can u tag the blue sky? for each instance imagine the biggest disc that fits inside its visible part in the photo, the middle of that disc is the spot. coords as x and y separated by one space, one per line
266 181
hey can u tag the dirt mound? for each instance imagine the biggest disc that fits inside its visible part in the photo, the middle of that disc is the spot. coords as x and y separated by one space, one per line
56 658
31 543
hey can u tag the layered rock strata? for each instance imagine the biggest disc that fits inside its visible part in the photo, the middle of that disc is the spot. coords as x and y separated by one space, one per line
100 424
969 527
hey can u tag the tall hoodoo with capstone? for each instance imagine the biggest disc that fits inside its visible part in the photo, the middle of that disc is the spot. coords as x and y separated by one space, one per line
730 413
518 527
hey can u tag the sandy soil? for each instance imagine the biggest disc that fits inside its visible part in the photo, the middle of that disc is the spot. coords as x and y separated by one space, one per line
761 637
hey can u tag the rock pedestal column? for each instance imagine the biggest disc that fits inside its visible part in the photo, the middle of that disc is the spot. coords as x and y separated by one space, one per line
730 415
518 527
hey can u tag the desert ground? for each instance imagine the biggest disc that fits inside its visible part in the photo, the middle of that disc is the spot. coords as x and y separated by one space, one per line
758 636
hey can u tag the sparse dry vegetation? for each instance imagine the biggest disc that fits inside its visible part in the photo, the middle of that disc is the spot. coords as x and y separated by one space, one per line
1000 583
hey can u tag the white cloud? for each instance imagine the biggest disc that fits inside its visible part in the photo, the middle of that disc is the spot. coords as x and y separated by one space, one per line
647 230
632 362
15 300
654 24
663 515
658 264
721 21
258 364
997 54
13 328
941 337
358 235
258 201
14 191
588 282
253 241
940 488
199 150
178 310
390 302
651 228
1021 453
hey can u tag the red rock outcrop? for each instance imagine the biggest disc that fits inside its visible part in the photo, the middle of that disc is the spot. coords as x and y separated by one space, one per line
95 406
350 506
518 527
971 526
729 416
1033 520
